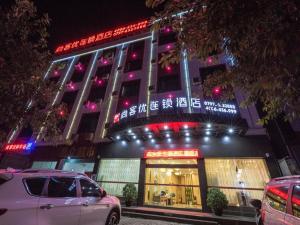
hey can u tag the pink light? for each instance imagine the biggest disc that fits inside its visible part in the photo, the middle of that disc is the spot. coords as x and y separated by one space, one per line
126 103
217 90
79 66
168 29
61 113
105 61
71 86
133 55
56 73
210 60
131 75
170 96
168 47
169 68
93 106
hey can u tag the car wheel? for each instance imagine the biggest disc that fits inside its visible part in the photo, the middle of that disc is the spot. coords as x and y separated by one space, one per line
113 218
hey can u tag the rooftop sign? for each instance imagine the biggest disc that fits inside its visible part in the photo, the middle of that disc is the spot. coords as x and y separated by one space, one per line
99 37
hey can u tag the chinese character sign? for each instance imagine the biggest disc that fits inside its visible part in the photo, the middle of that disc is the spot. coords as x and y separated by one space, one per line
166 104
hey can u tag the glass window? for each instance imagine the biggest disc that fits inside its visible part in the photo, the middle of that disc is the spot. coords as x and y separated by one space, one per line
44 165
114 174
35 185
172 187
88 123
88 189
296 201
79 167
172 161
277 197
60 187
241 179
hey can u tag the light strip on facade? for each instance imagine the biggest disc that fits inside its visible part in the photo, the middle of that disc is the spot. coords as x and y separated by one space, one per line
150 72
82 94
113 89
111 46
187 78
57 94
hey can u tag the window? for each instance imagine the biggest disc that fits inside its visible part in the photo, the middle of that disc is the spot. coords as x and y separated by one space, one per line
277 197
69 99
89 189
80 68
103 71
130 89
166 36
35 185
60 187
168 83
114 174
206 71
296 201
135 54
240 180
88 123
79 167
97 93
44 165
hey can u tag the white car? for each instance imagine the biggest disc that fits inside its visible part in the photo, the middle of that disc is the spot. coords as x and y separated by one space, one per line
54 197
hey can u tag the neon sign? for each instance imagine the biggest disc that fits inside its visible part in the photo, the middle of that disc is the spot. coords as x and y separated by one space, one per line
176 103
172 153
96 38
19 148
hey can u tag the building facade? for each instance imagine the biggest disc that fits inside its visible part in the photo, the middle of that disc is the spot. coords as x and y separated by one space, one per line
129 120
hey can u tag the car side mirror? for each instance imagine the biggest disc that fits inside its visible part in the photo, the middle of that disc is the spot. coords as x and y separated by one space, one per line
256 203
102 193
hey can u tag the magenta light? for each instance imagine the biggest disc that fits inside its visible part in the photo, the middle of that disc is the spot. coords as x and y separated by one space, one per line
93 106
168 29
217 90
61 113
126 103
105 61
209 60
168 47
170 96
131 75
56 73
79 66
71 86
169 68
133 55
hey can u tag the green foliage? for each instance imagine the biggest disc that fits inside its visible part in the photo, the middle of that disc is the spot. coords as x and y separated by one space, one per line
24 59
216 199
129 192
262 36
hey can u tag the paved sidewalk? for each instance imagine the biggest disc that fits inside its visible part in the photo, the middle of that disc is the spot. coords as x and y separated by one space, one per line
137 221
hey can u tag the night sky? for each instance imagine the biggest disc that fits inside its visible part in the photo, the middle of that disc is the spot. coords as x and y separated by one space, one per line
74 19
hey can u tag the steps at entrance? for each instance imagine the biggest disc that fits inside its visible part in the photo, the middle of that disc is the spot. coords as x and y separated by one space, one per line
186 217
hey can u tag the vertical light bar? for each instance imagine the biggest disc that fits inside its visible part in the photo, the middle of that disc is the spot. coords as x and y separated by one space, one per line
63 82
113 89
187 79
57 94
82 95
150 73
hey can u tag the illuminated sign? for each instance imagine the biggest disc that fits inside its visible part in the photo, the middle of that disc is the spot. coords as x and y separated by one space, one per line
19 148
96 38
176 103
172 153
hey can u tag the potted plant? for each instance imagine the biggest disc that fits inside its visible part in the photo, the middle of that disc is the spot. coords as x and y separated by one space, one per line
129 194
217 201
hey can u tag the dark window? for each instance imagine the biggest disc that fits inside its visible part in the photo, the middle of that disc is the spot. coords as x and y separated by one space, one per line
88 189
60 187
277 197
166 36
103 71
35 185
97 93
130 89
80 68
206 71
168 83
135 54
107 57
296 201
69 98
54 79
26 132
88 123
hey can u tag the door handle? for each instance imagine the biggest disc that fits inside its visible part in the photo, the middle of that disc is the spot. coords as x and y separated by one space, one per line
85 204
48 206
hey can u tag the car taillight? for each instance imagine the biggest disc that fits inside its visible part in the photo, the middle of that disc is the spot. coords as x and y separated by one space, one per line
2 211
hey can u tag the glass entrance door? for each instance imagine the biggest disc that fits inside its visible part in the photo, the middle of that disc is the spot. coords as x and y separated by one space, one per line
172 185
